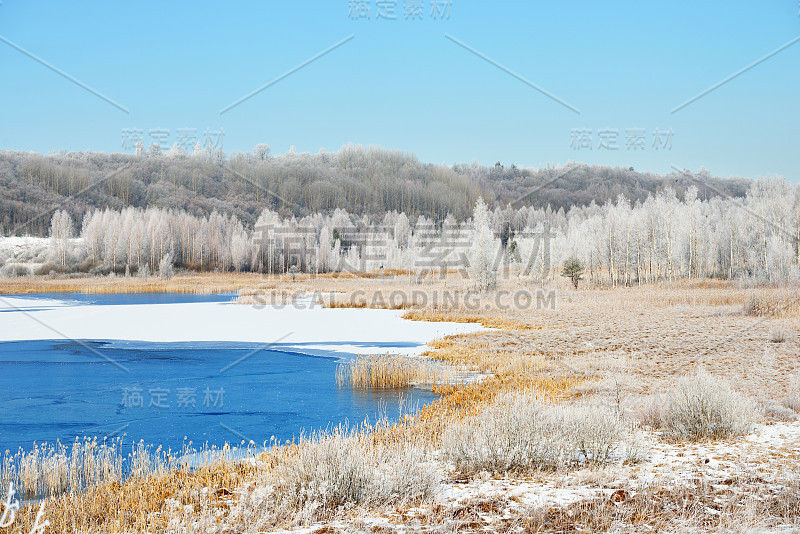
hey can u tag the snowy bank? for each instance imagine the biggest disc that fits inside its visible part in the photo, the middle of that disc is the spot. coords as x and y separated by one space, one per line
314 330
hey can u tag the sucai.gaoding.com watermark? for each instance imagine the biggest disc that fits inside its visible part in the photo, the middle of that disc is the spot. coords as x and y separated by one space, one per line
471 301
400 299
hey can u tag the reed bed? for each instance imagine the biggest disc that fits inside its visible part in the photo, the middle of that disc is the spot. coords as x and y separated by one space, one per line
197 283
772 303
455 316
199 497
368 371
49 470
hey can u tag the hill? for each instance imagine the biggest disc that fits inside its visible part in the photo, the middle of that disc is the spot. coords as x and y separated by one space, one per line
362 180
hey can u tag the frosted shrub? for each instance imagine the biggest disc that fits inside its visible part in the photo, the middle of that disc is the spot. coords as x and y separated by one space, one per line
406 474
652 413
594 432
702 406
326 474
520 434
331 472
14 270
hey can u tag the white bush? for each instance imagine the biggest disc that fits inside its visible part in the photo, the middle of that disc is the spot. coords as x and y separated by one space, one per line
702 406
13 270
519 434
331 472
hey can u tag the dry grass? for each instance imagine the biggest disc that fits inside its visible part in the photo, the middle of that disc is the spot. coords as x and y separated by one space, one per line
52 470
491 321
739 505
147 503
394 371
201 283
49 470
772 303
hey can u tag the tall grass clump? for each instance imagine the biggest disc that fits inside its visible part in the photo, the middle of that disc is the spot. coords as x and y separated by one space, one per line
778 335
520 434
49 470
394 371
705 407
792 400
330 472
779 303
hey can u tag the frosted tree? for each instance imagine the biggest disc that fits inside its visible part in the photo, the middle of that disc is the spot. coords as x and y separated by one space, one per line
261 151
218 156
61 231
667 209
165 267
176 151
199 151
484 250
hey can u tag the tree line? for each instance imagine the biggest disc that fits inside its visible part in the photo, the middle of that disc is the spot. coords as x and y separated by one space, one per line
666 236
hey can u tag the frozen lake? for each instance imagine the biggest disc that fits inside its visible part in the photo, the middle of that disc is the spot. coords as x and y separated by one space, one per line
170 368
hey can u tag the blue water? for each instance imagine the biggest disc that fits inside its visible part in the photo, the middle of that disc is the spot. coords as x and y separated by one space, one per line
171 393
107 299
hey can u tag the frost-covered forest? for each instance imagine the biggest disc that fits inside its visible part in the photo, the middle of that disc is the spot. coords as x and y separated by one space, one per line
361 180
623 242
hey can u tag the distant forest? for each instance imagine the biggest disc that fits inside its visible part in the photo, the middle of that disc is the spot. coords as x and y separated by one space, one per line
361 180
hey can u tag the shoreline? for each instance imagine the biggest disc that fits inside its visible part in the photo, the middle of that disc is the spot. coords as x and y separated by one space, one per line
199 283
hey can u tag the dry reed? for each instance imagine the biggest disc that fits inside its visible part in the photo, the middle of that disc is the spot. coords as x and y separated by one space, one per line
395 371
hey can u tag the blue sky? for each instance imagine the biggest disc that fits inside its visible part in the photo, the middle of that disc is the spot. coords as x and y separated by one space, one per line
403 84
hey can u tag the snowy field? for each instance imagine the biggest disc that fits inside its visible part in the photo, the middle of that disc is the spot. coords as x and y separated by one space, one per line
306 328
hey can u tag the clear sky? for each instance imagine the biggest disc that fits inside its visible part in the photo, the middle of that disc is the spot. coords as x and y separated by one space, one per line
403 83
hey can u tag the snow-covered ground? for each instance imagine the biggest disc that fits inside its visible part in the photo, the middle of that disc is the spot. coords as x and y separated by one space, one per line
310 329
770 451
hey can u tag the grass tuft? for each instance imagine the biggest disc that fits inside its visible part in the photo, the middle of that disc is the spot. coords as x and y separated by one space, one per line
704 407
394 371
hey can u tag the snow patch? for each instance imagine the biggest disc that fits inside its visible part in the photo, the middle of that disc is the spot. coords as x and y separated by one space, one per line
338 332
